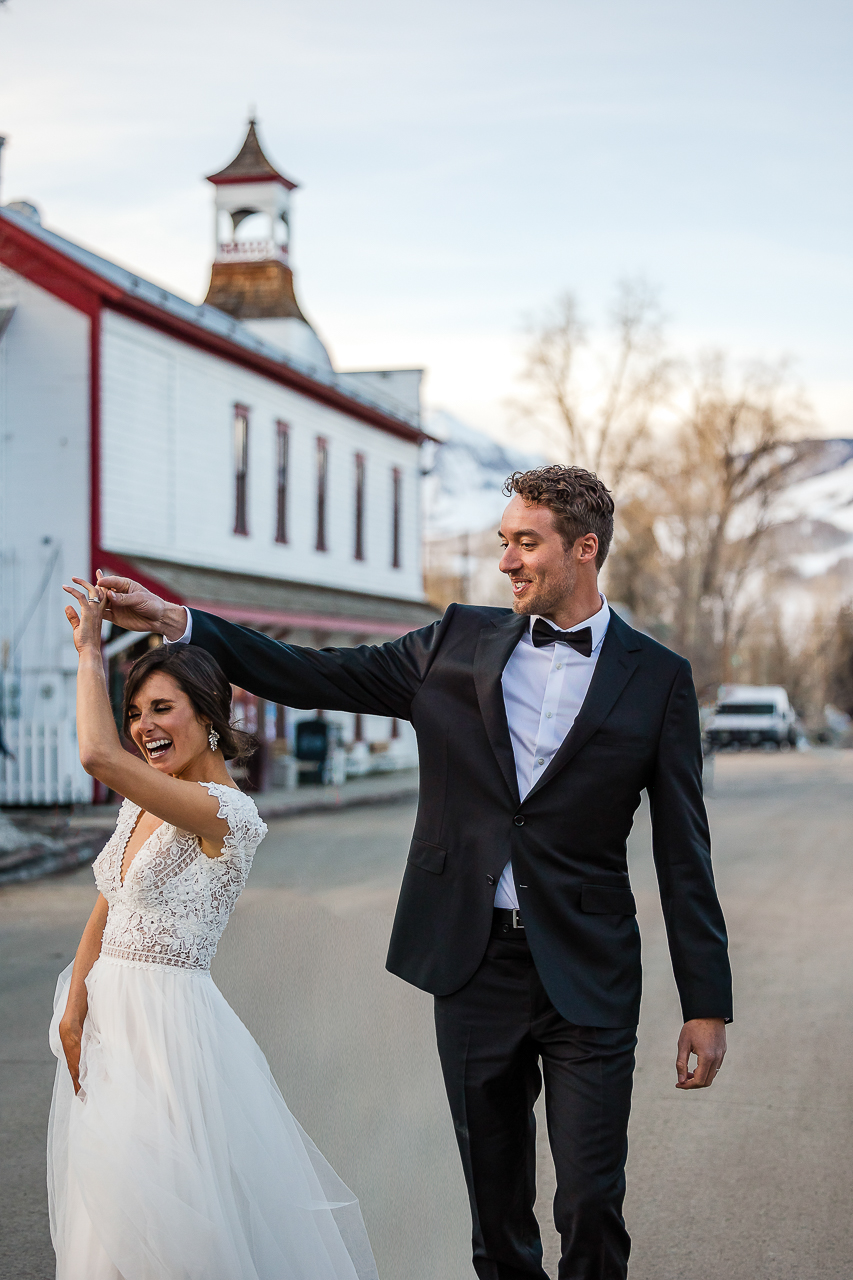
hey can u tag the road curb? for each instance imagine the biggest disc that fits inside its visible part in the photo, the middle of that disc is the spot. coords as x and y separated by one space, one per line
338 800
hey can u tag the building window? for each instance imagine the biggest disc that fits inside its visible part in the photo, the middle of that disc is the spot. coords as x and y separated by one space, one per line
241 466
358 551
322 484
396 499
282 449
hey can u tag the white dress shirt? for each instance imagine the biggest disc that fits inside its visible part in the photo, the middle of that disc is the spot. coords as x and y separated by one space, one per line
187 636
543 692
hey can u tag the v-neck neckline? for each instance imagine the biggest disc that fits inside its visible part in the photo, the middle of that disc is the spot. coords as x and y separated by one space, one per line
122 879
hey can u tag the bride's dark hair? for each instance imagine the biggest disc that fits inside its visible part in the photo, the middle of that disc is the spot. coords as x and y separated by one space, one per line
204 683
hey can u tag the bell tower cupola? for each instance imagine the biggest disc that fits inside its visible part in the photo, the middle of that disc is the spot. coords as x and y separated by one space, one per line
252 277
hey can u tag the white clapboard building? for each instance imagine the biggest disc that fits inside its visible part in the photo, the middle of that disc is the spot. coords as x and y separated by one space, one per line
210 451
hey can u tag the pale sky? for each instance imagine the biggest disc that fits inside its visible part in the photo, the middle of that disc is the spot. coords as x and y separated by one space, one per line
462 161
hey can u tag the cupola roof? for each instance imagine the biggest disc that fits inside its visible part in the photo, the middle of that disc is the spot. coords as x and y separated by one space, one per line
250 165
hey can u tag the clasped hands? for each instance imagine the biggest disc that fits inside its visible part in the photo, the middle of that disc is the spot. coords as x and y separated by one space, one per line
125 602
131 606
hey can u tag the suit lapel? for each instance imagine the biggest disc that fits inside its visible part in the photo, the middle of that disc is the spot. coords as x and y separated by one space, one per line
616 664
494 647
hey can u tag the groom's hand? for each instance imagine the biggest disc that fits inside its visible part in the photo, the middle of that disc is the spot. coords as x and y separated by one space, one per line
135 608
706 1037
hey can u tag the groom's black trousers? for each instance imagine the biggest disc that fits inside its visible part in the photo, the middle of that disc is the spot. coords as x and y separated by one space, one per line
491 1037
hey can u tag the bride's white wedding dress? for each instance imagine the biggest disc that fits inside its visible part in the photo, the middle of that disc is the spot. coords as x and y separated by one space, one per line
178 1159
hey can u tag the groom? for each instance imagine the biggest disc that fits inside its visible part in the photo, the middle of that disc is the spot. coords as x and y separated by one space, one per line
538 728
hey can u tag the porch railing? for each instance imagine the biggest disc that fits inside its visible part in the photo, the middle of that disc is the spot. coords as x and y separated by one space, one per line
43 766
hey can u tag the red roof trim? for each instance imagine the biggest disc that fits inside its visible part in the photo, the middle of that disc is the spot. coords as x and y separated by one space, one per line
138 309
52 271
261 177
75 284
252 615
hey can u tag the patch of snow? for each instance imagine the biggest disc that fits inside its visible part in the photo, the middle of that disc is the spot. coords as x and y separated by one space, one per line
814 563
826 496
463 491
12 839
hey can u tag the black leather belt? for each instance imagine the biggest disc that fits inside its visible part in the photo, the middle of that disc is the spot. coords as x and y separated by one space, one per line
506 923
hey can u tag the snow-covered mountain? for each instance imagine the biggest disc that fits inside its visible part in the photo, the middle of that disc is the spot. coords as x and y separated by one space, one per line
463 491
814 513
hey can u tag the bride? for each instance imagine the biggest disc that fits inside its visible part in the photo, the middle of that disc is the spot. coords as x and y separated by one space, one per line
171 1153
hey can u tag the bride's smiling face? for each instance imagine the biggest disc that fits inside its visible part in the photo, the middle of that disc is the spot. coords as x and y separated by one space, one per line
165 726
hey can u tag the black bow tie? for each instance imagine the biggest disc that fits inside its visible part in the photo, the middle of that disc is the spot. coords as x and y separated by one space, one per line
543 633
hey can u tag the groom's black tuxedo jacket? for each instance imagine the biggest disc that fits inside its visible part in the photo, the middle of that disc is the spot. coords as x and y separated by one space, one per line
638 728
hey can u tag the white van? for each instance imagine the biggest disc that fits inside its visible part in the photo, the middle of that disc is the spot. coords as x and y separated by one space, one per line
750 715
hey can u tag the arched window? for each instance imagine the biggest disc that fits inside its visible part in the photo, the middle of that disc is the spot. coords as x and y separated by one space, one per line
251 225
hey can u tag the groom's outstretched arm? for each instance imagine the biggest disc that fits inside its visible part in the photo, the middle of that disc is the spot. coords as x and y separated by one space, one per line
372 679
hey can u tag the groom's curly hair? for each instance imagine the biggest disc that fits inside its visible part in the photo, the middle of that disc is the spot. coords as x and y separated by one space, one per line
579 501
203 681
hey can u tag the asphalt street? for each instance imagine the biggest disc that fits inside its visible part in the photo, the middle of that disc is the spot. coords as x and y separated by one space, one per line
750 1179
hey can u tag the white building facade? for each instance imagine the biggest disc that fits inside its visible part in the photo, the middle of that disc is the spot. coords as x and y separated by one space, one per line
217 457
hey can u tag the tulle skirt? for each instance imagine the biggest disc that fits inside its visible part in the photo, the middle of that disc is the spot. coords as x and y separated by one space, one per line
178 1159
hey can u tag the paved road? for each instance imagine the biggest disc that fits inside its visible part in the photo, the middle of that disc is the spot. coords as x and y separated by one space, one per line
750 1180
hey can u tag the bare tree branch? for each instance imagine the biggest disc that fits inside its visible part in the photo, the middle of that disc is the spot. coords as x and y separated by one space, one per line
602 427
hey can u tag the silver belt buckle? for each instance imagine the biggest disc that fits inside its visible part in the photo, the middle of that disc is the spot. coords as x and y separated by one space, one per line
515 921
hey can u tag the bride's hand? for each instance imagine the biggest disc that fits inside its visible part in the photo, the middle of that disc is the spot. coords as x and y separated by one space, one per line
71 1036
86 628
134 607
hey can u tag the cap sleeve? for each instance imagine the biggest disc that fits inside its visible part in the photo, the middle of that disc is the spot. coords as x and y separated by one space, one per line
246 829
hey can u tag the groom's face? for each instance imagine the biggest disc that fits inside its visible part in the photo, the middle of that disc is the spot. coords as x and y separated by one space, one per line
543 573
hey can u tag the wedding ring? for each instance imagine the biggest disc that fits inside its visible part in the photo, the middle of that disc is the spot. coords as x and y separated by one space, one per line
94 599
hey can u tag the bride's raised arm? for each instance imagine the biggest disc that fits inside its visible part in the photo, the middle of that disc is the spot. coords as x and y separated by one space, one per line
180 802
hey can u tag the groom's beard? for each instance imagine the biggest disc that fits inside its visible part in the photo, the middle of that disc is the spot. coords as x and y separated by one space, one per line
546 597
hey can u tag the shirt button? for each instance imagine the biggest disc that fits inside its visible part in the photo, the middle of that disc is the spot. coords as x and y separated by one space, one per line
541 760
519 819
559 666
491 879
547 715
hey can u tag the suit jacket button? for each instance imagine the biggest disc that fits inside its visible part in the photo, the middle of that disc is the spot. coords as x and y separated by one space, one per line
519 819
491 879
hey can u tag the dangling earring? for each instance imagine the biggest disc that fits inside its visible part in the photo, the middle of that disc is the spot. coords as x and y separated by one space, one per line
213 738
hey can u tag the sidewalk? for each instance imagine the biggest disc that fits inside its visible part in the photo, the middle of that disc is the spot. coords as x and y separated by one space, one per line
50 840
377 788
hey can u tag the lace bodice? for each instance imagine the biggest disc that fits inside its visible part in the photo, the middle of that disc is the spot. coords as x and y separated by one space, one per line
175 901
